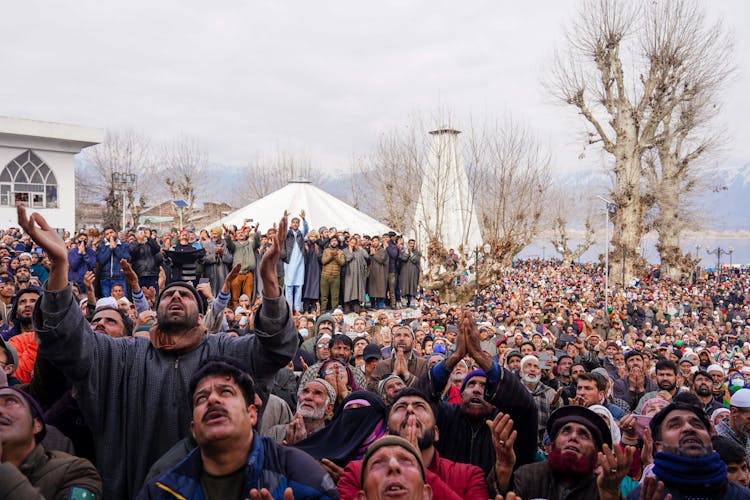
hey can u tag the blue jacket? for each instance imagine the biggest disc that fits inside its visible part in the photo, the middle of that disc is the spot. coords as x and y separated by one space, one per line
110 260
79 265
269 466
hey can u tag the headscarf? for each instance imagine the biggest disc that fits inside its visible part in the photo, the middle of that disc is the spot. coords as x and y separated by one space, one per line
351 431
603 411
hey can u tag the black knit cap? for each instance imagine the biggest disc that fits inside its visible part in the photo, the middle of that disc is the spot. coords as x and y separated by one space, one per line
184 284
36 410
583 416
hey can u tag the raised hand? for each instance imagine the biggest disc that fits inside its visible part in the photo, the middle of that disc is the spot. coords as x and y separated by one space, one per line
653 489
52 244
88 280
614 467
302 214
332 469
270 260
150 293
264 494
503 439
130 275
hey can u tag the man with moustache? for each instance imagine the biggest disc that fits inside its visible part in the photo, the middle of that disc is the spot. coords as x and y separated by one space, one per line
412 417
581 441
485 393
314 404
737 426
666 380
232 460
685 463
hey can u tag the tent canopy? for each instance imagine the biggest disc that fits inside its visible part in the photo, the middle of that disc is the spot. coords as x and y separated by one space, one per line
321 209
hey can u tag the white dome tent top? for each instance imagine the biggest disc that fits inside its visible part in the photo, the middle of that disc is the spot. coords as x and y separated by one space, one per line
321 209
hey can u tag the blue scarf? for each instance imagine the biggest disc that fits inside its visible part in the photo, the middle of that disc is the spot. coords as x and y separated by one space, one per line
680 472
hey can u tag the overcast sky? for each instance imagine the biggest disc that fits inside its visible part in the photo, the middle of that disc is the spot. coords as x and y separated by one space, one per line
320 78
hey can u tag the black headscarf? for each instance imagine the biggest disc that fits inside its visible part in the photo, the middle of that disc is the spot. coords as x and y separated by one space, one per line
350 432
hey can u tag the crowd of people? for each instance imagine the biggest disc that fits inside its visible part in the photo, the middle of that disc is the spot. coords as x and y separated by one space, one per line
220 365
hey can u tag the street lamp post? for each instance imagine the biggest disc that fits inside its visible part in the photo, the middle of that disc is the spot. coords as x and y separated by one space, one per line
123 181
609 206
718 251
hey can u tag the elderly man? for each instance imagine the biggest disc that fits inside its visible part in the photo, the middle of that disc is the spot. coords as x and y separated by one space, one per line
685 464
315 401
392 466
412 418
581 441
132 390
27 470
232 457
402 362
547 400
737 426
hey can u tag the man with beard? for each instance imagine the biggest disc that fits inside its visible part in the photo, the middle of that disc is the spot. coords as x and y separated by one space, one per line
23 336
23 277
314 404
413 418
703 389
666 380
636 384
737 426
685 464
403 361
581 441
7 291
719 388
116 379
547 400
484 394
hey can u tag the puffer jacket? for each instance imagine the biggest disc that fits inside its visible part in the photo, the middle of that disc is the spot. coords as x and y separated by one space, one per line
50 475
268 466
146 258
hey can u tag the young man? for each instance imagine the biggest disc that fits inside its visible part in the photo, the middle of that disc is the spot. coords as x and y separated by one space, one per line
232 460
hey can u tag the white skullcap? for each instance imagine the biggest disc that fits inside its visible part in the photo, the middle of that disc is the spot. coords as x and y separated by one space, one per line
528 358
740 399
715 368
110 302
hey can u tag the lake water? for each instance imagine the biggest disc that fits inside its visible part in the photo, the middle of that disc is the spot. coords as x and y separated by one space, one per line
740 246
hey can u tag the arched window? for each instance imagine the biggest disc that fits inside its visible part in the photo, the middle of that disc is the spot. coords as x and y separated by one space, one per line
27 178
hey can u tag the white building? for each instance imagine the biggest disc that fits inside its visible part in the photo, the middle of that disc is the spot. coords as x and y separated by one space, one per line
36 167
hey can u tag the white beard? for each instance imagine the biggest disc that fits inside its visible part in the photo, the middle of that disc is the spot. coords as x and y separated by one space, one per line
530 380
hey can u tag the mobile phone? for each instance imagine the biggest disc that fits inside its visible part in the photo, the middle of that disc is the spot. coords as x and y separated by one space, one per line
641 423
203 280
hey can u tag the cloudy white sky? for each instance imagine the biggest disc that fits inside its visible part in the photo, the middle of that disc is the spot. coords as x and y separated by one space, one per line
321 78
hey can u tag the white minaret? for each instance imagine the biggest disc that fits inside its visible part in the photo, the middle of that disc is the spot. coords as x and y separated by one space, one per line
445 207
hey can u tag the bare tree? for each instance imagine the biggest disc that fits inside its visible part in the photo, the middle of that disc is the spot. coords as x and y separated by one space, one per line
391 177
616 101
123 153
184 170
266 174
564 205
697 57
511 172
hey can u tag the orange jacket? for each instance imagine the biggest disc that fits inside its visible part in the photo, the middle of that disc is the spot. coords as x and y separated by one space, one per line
26 345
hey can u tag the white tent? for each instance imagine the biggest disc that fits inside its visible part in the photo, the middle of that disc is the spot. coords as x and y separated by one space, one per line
321 209
445 206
